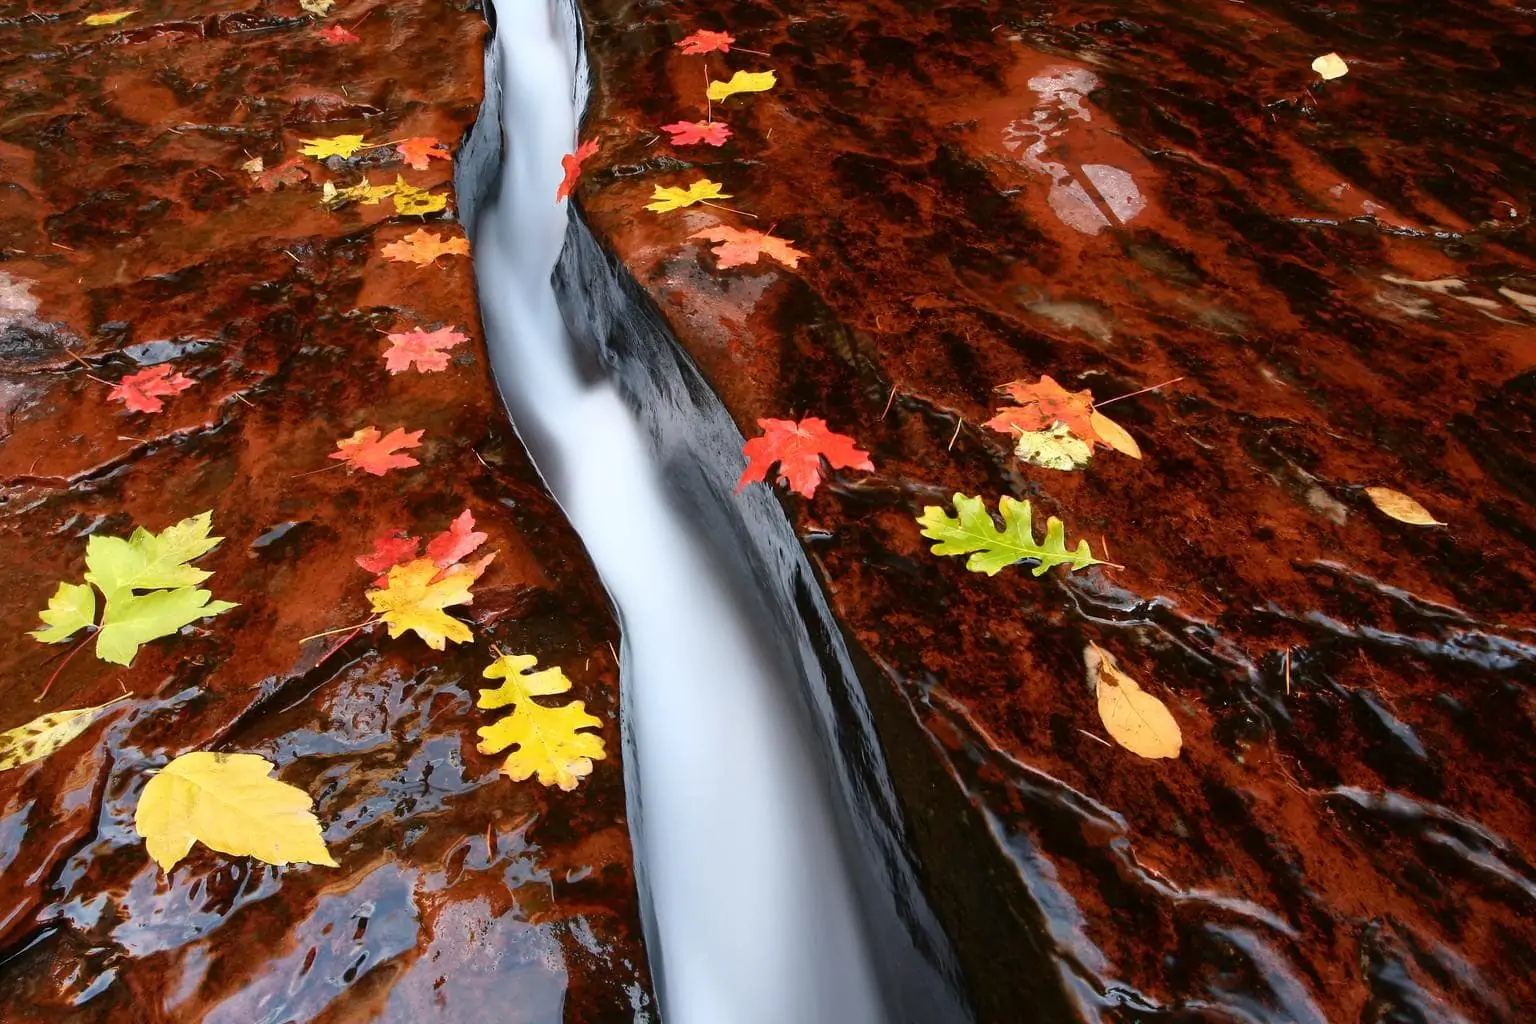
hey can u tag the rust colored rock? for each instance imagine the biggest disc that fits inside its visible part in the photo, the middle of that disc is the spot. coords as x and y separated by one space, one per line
135 235
1343 274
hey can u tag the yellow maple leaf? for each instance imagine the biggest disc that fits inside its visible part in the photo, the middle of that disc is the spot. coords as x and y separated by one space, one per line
742 81
414 599
107 18
229 803
419 201
548 741
363 193
676 198
337 145
424 247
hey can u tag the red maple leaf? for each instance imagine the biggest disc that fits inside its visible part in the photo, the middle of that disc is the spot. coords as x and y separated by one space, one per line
572 164
741 246
1042 404
704 41
420 152
798 448
427 349
455 542
142 391
336 36
690 133
389 551
368 451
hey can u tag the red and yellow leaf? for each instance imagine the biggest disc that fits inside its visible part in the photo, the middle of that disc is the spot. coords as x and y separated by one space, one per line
420 152
423 247
738 247
1042 404
372 453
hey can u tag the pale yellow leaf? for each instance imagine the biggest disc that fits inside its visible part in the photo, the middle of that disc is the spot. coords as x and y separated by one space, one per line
46 734
741 81
1330 66
320 7
229 803
1114 435
1135 719
1054 448
414 599
1401 507
107 18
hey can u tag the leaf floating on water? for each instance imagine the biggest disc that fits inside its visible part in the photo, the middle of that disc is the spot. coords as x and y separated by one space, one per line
426 349
415 595
377 454
71 608
705 41
691 133
742 81
974 533
1330 66
571 163
798 448
738 247
343 146
549 741
668 199
1401 507
229 803
421 151
142 391
1135 719
108 18
423 247
46 734
1053 448
337 35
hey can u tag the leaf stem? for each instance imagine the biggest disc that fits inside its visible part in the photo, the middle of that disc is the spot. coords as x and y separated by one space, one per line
727 209
340 629
1133 394
67 658
82 362
312 472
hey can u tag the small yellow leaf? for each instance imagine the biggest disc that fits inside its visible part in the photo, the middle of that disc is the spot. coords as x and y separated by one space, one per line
229 803
1330 66
337 145
320 7
741 81
1114 435
45 734
667 199
1401 507
414 600
108 18
1135 719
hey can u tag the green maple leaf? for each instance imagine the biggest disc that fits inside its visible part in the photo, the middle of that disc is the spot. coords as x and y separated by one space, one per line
974 533
152 562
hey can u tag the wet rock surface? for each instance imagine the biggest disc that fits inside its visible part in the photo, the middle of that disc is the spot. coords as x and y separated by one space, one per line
133 238
1117 195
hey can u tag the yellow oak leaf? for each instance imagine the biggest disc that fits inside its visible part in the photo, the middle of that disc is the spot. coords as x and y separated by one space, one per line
107 18
1135 719
46 734
414 599
741 81
666 199
548 740
229 803
337 145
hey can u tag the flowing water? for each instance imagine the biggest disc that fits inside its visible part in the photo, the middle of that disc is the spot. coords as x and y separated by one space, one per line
750 913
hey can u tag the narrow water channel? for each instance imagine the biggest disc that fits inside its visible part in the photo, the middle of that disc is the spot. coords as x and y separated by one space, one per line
750 912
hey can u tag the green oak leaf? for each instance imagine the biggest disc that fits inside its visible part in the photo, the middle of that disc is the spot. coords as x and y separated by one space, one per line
974 533
71 608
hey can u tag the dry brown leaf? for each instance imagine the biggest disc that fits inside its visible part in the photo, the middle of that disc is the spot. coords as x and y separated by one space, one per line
1135 719
1401 507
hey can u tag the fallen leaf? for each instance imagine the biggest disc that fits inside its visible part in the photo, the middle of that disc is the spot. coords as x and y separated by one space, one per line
455 543
974 533
290 172
343 146
411 201
142 391
1114 435
690 133
336 35
414 597
1401 507
368 451
423 247
739 247
154 562
741 81
320 7
548 741
798 448
445 550
427 349
572 163
1135 719
389 551
1044 403
364 193
107 18
1055 447
421 151
705 41
229 803
666 199
46 734
254 166
1330 66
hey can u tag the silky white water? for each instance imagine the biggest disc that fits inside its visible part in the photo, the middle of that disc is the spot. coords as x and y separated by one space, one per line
751 913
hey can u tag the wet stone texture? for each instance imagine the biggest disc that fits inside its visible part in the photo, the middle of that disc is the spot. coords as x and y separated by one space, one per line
1344 274
132 237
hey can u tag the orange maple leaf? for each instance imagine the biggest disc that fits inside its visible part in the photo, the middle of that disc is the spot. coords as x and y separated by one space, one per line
741 246
572 164
423 247
336 35
142 391
425 348
1045 403
691 133
704 41
420 152
368 451
798 448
